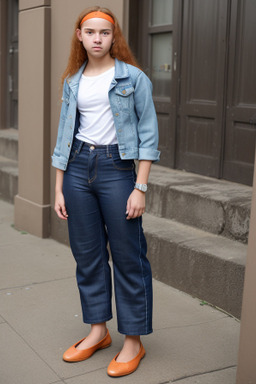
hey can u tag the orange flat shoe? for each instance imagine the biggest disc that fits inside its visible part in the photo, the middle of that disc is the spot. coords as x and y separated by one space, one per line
116 369
73 354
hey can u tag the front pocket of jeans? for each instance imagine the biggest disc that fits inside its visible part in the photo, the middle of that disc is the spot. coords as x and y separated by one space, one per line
123 165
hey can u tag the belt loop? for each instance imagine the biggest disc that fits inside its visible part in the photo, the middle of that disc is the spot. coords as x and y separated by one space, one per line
80 146
107 150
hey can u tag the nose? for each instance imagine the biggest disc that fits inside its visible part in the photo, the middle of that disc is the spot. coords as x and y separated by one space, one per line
97 38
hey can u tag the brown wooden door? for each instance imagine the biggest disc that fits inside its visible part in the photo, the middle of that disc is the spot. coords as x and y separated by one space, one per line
200 114
240 133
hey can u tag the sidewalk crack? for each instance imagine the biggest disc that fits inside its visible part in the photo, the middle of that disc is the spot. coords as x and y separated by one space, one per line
202 373
31 284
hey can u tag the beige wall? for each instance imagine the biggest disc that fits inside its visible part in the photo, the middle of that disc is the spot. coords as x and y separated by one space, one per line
45 30
246 369
32 204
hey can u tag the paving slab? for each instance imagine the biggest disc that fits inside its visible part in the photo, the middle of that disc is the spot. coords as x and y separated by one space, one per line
30 262
19 363
186 351
173 311
29 257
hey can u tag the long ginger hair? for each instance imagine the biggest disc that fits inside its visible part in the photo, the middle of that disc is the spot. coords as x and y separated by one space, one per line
78 54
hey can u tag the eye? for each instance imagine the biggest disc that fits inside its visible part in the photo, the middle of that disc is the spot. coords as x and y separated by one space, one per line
105 33
89 33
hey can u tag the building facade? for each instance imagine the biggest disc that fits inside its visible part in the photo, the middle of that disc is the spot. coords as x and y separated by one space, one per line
199 54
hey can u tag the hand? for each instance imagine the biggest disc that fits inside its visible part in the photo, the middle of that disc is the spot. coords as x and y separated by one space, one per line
59 206
135 204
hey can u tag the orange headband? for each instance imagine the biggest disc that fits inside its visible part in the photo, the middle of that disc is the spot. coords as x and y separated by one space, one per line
97 14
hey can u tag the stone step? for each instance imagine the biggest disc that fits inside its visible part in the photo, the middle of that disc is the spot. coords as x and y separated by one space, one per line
207 266
8 179
9 143
217 206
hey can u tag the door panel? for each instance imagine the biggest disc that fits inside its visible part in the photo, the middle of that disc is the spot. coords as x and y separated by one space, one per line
161 72
162 12
199 136
240 135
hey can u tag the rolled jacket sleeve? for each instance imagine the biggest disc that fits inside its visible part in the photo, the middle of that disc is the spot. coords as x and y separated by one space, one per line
147 124
58 161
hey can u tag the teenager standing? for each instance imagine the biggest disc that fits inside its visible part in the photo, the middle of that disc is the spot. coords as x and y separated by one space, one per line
107 121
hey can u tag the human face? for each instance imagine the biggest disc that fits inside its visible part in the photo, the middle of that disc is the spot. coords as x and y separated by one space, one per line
97 36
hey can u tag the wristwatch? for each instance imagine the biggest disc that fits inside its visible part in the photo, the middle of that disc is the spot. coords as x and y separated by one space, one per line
141 187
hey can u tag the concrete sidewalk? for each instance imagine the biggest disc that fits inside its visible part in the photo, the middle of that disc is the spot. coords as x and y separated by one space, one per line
40 317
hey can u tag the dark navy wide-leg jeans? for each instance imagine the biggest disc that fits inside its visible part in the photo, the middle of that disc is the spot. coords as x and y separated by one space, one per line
96 187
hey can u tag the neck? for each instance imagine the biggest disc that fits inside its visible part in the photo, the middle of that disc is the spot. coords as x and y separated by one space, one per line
96 66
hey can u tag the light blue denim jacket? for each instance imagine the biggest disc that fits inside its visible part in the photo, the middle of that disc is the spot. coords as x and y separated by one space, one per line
130 97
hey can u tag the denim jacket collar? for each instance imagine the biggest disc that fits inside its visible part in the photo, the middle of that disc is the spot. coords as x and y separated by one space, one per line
73 81
121 72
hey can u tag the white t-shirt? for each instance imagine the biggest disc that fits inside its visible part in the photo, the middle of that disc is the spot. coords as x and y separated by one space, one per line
96 118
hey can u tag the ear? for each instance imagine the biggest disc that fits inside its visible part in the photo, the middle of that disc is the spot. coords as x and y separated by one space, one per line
79 34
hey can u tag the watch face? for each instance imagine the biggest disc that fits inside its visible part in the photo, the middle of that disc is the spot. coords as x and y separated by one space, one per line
141 187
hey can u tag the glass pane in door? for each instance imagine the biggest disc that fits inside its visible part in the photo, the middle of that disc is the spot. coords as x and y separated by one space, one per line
161 60
162 12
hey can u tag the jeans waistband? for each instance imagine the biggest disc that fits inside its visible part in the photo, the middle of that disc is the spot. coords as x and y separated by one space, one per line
102 148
